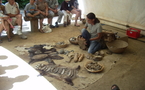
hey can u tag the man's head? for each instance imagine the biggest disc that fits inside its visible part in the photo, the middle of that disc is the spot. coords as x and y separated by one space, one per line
32 1
91 18
11 1
67 0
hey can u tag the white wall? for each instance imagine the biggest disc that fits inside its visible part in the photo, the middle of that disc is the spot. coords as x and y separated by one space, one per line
131 12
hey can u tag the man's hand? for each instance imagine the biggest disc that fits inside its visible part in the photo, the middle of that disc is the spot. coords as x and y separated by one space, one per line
67 11
55 11
46 14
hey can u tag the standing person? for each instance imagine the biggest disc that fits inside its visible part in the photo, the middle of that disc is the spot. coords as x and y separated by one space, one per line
93 34
30 9
12 10
65 7
75 10
42 7
53 5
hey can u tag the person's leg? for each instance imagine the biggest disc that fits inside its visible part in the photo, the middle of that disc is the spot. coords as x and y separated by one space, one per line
29 15
36 13
94 46
41 22
3 25
74 11
69 18
1 29
60 13
65 17
19 20
19 23
80 14
9 21
86 35
8 30
50 17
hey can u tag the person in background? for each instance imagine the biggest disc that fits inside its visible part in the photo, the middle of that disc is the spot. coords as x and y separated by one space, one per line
53 5
93 34
65 8
42 7
3 16
12 10
75 10
30 9
4 24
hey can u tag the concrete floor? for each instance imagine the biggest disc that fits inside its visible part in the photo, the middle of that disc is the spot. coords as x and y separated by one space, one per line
128 71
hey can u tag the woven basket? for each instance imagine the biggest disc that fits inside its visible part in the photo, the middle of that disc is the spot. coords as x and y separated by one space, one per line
117 46
73 41
94 71
61 45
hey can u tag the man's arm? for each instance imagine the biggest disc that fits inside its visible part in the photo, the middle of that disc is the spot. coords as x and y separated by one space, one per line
96 38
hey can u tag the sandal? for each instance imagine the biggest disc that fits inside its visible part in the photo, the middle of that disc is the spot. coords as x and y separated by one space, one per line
115 87
9 39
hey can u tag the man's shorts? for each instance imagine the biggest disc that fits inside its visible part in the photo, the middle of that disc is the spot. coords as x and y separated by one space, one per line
13 21
31 12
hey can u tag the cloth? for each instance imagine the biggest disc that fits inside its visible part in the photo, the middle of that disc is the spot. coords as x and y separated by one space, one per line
11 8
52 3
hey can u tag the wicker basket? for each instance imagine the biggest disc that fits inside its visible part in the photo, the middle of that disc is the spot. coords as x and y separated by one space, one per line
91 70
73 40
61 45
117 46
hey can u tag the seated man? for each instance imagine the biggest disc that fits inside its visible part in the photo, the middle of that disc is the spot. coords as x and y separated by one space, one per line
52 6
12 10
